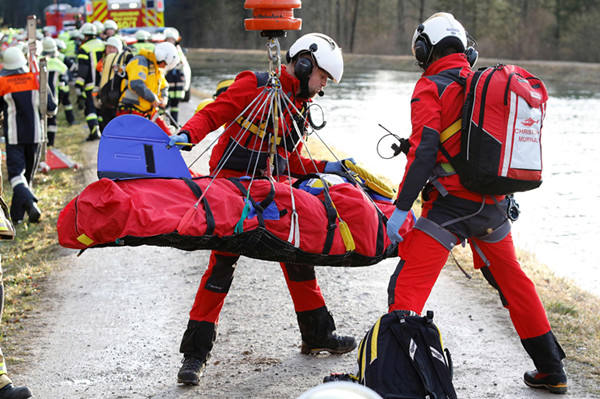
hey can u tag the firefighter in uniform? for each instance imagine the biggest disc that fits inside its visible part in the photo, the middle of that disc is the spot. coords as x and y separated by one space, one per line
142 38
64 89
19 103
312 59
179 78
7 389
452 214
57 78
110 29
88 55
106 67
146 87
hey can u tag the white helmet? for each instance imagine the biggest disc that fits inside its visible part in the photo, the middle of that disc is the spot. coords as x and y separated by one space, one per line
115 42
440 27
143 35
326 53
88 29
166 52
14 58
171 33
99 26
340 390
110 24
49 45
60 44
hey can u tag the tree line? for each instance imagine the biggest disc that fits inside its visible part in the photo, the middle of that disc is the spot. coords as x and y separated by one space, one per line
512 29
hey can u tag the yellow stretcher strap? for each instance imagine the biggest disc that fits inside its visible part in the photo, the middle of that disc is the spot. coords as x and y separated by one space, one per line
451 131
254 129
371 181
345 232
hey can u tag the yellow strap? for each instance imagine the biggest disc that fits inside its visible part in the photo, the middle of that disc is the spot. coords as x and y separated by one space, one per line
363 363
252 128
451 131
85 240
345 232
374 337
371 181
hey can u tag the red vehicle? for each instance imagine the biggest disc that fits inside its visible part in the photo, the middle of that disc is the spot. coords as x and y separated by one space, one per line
61 17
127 13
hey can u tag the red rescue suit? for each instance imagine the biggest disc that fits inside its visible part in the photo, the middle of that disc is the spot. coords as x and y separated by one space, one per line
231 160
452 214
250 147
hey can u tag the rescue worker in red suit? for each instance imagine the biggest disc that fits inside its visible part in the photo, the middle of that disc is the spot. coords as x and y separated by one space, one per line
451 214
312 59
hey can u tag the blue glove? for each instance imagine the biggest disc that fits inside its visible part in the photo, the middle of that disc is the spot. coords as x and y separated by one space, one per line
178 138
394 223
337 166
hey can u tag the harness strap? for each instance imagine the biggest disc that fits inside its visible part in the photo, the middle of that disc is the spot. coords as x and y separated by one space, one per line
437 232
260 131
210 219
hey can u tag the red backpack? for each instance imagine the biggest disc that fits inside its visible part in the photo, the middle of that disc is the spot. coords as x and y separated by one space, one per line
501 125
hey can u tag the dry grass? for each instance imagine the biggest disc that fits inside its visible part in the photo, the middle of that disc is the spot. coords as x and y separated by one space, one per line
574 314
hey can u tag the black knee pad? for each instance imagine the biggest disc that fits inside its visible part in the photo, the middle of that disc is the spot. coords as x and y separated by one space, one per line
222 274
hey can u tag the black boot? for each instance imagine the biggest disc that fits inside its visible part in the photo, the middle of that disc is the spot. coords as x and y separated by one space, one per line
196 345
317 328
11 392
547 355
554 382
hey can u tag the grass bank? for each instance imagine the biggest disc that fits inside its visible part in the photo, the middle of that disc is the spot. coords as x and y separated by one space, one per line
28 260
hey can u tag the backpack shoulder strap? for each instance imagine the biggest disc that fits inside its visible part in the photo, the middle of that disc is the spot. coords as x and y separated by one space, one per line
407 342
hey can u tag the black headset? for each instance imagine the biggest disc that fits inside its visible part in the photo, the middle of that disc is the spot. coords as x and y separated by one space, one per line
304 66
423 50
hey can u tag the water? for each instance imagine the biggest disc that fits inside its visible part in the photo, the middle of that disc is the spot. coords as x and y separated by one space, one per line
558 222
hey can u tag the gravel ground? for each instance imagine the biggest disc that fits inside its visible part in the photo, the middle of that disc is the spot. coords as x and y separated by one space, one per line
112 319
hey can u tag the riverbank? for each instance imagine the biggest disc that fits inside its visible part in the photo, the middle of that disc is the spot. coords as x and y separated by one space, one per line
579 74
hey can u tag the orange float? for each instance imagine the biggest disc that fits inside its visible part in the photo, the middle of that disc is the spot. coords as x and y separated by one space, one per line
273 15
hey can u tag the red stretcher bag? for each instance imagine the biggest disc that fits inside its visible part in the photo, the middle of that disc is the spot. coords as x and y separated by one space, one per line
274 221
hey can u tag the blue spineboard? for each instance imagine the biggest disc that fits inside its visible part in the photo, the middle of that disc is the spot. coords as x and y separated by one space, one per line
132 146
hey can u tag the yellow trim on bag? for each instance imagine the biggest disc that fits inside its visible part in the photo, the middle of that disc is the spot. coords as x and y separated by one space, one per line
374 337
85 240
371 181
451 130
363 362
